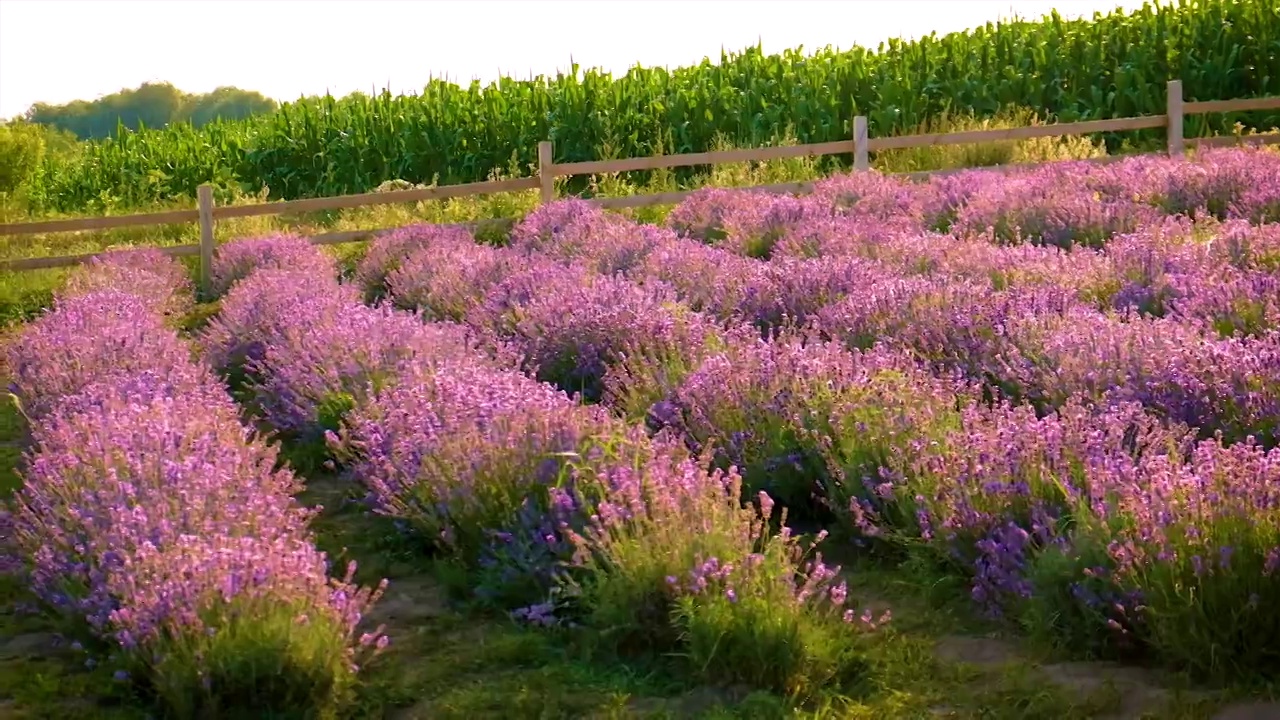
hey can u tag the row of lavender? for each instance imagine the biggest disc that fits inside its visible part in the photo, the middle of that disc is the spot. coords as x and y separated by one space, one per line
562 512
1080 433
159 530
1178 315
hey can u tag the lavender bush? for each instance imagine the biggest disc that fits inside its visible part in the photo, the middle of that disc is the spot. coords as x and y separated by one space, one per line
159 522
88 337
501 308
1197 543
106 481
1233 303
616 246
872 196
389 250
819 234
316 369
1246 246
1177 370
1005 483
955 327
789 292
1155 267
572 334
1049 206
469 456
263 627
671 561
1235 182
283 251
152 519
808 422
446 285
708 280
744 222
146 272
564 223
575 231
256 312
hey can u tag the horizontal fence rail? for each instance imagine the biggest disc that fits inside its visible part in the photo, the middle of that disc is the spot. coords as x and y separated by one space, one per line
342 202
859 145
171 217
49 263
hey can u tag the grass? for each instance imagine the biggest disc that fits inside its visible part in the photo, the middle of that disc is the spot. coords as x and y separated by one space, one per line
947 157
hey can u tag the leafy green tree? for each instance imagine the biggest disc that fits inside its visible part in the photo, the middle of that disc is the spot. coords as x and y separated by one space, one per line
226 103
153 105
22 147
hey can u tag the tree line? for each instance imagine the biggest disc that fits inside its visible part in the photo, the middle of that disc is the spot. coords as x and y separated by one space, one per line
153 105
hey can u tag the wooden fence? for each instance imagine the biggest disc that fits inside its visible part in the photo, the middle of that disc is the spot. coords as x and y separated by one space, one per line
859 145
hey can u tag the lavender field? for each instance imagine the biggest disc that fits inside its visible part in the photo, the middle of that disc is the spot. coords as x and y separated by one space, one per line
1055 392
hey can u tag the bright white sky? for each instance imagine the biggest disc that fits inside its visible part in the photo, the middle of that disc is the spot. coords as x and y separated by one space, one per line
61 50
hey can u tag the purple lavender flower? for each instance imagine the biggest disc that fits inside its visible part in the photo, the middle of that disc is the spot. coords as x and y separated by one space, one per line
1236 182
152 516
1051 205
807 421
124 468
256 311
317 367
446 283
146 272
571 334
85 338
872 196
389 250
235 260
745 222
477 459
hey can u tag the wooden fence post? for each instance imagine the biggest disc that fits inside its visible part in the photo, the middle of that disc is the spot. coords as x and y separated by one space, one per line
546 172
204 196
1173 110
860 161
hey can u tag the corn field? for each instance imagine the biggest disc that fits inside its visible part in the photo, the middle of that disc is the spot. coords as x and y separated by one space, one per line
1113 65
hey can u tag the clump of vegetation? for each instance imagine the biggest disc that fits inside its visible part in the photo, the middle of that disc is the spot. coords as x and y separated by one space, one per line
1004 152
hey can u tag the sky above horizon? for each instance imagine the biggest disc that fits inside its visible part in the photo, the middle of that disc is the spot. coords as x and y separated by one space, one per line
56 51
